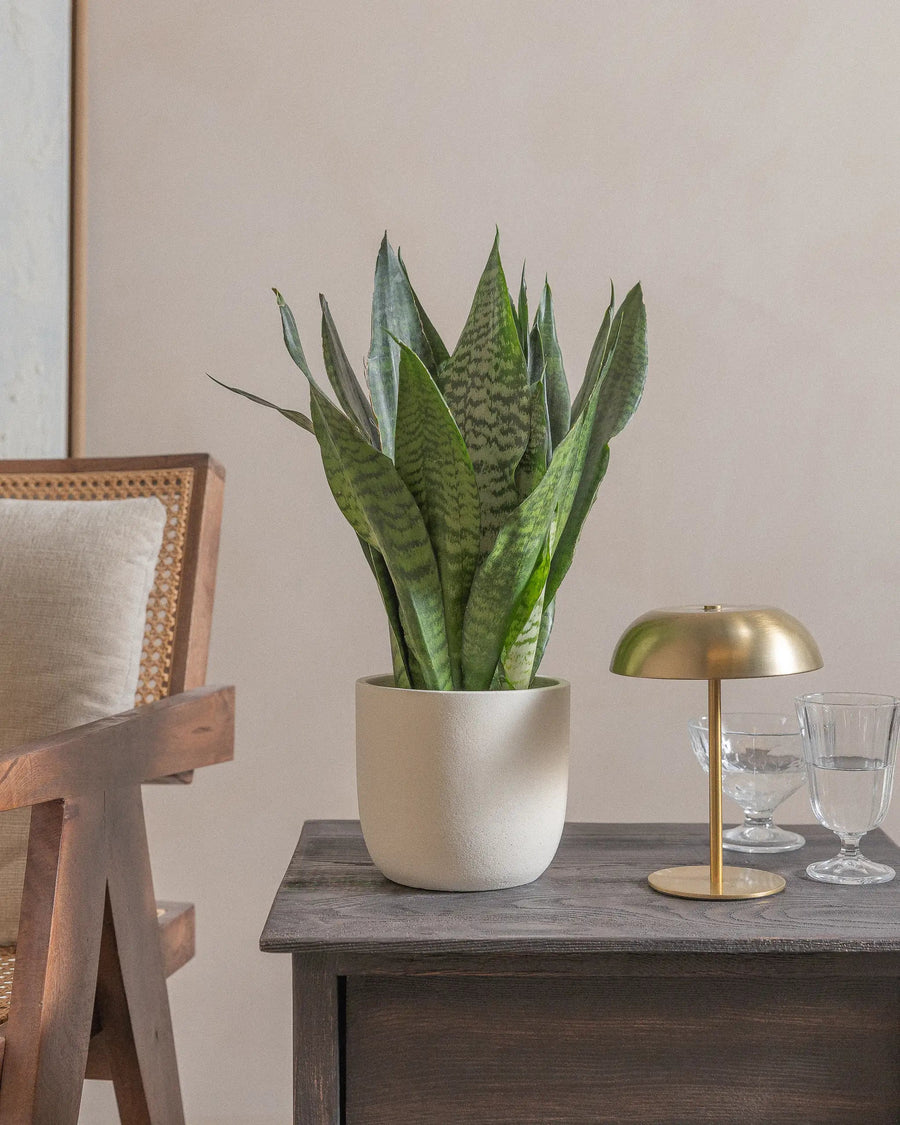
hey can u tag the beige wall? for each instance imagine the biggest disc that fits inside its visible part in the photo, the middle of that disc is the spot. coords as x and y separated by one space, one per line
741 159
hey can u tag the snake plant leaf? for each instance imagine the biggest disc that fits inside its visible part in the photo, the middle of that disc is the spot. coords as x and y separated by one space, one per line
558 403
402 677
517 657
623 384
544 634
292 342
399 651
294 416
431 458
502 578
597 357
592 474
515 313
292 336
522 314
343 378
618 392
486 388
394 317
438 348
382 511
537 453
535 354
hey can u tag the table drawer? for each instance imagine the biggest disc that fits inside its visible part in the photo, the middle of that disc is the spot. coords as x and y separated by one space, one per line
668 1051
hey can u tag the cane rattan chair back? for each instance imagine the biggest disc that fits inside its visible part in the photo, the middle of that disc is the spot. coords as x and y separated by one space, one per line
84 790
179 609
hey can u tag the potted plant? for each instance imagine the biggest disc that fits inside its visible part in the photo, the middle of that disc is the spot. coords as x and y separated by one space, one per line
467 477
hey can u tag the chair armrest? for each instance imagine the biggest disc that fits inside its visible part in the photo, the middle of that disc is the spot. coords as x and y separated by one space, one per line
182 732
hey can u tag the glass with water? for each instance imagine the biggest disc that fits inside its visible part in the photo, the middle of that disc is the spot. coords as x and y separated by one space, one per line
850 746
762 765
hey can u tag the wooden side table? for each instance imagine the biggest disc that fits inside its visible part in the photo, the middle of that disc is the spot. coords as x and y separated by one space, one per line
586 996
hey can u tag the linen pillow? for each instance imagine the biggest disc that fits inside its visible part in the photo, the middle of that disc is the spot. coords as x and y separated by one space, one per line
75 576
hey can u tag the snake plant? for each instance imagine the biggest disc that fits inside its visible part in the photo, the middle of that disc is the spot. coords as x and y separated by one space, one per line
467 477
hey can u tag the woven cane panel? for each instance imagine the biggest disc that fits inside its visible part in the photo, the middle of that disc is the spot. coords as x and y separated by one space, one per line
173 488
7 967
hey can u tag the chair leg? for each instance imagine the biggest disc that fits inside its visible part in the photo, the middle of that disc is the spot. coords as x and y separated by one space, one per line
132 997
58 952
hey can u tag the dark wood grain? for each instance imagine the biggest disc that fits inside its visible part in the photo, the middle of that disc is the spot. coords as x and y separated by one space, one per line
673 1052
588 997
594 898
317 1046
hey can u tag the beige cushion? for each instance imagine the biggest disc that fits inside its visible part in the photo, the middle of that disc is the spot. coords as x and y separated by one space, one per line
75 577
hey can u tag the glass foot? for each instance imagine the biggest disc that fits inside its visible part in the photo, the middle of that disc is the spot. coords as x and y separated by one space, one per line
761 838
851 871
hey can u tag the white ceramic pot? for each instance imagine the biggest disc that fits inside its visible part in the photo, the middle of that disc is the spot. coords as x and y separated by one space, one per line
462 790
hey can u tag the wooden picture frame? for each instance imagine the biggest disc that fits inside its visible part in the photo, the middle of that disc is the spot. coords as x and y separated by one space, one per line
78 230
43 212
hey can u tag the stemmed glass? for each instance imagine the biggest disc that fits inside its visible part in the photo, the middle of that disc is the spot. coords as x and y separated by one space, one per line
850 746
762 765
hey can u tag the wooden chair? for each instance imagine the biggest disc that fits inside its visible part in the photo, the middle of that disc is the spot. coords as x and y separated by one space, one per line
83 994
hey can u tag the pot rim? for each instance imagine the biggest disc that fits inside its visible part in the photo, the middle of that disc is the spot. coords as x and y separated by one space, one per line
386 680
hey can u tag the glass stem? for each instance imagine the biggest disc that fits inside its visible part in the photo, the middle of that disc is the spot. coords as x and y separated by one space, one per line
850 847
758 821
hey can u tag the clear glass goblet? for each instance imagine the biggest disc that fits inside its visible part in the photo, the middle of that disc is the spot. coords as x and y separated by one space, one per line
762 765
850 746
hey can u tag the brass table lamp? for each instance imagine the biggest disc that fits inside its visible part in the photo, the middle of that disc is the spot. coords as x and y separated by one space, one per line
715 643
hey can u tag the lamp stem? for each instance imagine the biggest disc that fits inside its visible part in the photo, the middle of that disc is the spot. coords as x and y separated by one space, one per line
715 787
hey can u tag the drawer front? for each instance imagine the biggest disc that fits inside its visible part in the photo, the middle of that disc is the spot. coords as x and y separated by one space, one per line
632 1051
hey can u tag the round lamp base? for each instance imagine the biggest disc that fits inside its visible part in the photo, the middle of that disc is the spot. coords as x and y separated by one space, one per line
737 883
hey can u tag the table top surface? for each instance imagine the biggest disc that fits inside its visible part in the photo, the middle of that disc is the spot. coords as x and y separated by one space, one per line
593 898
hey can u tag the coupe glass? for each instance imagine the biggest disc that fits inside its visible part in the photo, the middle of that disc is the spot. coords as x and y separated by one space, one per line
762 765
850 746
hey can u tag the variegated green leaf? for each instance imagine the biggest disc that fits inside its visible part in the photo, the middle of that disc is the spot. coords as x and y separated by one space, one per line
518 654
343 378
588 483
438 349
596 358
522 314
382 511
394 317
535 355
558 404
292 337
513 309
486 388
623 384
402 677
431 458
536 456
294 416
399 651
618 392
501 579
544 633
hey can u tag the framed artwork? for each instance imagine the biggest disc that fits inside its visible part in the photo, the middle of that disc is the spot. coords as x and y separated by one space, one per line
42 227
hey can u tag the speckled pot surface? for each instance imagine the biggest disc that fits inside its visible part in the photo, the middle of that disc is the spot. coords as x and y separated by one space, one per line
462 790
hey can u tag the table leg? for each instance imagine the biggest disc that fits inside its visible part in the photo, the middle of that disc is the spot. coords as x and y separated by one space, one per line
317 1048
